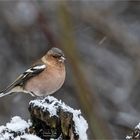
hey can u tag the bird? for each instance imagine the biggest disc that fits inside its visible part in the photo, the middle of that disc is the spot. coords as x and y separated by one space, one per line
43 78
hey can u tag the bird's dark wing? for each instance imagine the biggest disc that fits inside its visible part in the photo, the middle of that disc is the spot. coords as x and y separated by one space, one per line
31 72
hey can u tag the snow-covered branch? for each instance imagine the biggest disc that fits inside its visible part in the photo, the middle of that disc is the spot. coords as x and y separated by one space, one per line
50 118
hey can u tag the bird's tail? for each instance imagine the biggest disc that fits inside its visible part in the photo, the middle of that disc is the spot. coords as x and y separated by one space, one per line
8 90
16 89
2 94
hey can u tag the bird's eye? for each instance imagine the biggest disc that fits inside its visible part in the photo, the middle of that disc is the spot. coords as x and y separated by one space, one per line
55 56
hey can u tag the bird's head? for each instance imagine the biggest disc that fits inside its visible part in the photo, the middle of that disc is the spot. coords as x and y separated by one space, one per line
54 55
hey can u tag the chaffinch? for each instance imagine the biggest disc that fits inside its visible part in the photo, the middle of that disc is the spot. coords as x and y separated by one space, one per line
45 77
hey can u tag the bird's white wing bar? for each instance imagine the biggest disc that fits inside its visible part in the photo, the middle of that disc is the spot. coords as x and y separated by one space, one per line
35 68
39 67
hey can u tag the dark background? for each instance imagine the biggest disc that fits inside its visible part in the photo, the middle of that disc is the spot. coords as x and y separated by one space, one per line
101 40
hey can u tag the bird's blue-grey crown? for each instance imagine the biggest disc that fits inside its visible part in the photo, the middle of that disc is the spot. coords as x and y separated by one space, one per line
56 52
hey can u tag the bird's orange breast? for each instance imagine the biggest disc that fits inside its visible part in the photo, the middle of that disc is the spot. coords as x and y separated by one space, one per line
47 82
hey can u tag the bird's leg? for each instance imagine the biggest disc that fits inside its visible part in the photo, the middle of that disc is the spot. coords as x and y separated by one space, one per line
30 92
34 95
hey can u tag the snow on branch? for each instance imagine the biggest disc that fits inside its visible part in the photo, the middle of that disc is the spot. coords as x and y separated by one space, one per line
50 118
57 120
135 134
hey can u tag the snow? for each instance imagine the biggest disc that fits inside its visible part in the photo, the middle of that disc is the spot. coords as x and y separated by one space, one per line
17 124
28 137
51 104
6 136
2 128
138 126
128 137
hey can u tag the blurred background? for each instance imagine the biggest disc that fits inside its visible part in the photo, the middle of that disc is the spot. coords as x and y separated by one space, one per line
101 42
